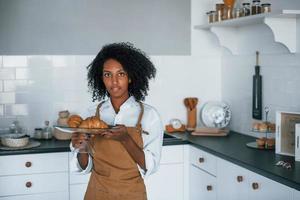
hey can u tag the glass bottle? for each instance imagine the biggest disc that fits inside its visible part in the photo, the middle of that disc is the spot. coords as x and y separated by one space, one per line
256 7
47 131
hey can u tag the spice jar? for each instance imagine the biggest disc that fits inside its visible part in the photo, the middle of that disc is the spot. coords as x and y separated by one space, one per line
211 16
266 7
38 133
219 12
246 9
237 13
255 8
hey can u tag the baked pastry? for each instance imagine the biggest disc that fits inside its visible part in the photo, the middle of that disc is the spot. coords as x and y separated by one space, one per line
74 121
263 127
93 122
255 126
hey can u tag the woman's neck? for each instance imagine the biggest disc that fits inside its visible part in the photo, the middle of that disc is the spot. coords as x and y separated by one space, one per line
117 103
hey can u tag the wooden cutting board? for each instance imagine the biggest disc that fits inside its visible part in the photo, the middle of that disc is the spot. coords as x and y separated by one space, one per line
216 132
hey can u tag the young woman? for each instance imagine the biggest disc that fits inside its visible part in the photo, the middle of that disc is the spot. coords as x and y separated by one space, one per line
130 151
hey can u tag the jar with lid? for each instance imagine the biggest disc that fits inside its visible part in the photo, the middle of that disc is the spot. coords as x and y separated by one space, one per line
38 133
211 16
246 9
238 12
266 7
256 7
220 7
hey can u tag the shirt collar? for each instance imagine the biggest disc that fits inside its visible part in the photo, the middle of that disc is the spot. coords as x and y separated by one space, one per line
130 102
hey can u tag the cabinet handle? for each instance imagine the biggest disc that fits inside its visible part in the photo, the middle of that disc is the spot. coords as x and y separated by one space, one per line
297 142
28 164
209 188
201 160
255 186
239 179
28 184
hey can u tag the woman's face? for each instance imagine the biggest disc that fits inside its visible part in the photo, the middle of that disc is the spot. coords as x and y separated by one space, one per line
115 79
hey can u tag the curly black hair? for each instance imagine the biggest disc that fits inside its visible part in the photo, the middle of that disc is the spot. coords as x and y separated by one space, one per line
134 61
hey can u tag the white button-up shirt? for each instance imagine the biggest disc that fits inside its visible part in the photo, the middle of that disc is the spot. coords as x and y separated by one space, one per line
128 115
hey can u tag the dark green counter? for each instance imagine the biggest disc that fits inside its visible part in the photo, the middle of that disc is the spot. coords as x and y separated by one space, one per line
51 146
233 148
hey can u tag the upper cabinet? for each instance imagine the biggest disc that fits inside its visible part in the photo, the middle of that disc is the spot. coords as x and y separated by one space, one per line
245 34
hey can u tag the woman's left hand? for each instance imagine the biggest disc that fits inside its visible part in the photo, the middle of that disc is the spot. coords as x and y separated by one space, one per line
118 133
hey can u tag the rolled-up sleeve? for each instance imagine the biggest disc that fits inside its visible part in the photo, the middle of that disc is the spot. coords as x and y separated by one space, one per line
74 164
152 147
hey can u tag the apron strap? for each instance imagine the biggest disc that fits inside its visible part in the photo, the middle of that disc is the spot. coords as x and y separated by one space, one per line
98 109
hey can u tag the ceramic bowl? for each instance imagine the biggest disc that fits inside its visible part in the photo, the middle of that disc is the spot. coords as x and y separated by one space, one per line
14 140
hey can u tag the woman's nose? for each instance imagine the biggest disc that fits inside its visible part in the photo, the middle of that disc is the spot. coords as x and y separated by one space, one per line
114 79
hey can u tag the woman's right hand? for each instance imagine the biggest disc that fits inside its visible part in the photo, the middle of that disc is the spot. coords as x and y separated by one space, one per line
79 141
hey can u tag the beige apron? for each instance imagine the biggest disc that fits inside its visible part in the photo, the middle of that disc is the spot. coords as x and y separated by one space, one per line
115 175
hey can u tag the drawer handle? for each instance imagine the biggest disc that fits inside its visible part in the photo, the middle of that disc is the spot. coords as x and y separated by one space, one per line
239 179
28 164
209 188
255 186
201 160
28 184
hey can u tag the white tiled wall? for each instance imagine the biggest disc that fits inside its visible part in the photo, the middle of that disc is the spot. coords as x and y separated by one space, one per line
34 88
281 81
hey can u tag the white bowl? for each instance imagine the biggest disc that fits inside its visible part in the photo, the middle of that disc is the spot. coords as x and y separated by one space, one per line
14 140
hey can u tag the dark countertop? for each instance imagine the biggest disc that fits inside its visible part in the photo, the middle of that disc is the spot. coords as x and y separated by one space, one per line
233 148
53 145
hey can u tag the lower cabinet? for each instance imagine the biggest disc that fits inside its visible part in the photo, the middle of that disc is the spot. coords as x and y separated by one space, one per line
202 185
235 182
34 176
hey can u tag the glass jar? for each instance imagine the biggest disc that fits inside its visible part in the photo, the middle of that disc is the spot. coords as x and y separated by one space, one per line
256 7
38 133
47 131
211 16
266 7
238 12
246 9
219 12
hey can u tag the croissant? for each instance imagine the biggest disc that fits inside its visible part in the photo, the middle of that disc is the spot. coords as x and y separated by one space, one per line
93 122
74 121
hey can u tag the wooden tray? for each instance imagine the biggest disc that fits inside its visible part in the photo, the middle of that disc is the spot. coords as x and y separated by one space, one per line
216 132
82 130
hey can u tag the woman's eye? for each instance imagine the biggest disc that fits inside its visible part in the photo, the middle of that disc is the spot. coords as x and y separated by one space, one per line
106 75
122 74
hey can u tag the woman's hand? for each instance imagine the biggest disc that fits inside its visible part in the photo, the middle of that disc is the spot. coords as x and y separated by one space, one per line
80 141
118 133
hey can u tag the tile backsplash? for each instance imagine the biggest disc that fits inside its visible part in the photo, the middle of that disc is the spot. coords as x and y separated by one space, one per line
35 88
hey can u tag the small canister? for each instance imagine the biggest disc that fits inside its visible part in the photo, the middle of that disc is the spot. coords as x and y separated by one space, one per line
211 16
256 7
38 133
246 9
220 7
238 13
266 7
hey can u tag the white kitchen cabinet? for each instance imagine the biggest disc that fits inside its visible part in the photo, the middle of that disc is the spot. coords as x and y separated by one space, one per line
235 182
232 181
202 168
34 176
296 194
262 188
202 185
168 181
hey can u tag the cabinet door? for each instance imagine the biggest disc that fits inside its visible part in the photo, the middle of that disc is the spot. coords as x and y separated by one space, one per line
261 188
77 191
231 181
296 194
45 196
166 183
202 185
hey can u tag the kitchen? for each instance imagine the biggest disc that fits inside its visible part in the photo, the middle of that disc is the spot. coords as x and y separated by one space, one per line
43 72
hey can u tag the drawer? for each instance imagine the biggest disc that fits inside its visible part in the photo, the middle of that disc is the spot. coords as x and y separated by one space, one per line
203 160
45 196
172 154
33 163
31 184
